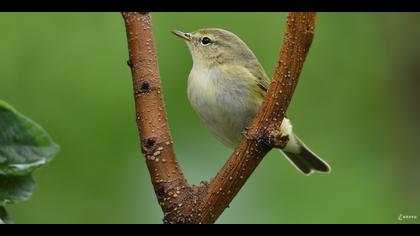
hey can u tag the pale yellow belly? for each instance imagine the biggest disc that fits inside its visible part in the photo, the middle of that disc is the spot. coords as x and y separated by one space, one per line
226 109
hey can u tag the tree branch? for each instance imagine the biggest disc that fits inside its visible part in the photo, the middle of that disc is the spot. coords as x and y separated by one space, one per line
181 202
156 142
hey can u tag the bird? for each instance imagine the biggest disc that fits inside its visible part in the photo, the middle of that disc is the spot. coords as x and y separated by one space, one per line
227 85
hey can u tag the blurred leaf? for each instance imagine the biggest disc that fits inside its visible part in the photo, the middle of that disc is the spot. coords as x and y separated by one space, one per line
24 145
15 189
4 217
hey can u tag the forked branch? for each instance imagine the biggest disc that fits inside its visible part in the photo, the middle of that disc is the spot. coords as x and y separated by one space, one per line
180 201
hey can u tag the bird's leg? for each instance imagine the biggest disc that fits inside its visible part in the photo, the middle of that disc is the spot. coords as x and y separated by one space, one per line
245 132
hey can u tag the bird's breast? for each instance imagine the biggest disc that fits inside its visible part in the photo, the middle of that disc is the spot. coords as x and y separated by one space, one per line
224 104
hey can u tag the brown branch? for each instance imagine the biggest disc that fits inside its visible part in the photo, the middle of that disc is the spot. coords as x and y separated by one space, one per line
156 142
181 202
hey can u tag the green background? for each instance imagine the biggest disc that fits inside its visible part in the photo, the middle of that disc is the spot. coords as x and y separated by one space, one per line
357 106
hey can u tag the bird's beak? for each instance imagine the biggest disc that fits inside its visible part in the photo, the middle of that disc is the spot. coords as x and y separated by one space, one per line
186 36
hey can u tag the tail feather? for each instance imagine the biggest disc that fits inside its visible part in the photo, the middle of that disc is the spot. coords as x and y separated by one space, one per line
304 159
298 162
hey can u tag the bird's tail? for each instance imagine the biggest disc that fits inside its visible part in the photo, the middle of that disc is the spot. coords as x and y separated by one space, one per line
303 158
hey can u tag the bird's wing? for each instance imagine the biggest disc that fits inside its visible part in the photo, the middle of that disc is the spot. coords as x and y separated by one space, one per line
255 68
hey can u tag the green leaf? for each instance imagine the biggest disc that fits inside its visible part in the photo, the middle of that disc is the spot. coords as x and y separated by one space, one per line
4 217
24 145
15 189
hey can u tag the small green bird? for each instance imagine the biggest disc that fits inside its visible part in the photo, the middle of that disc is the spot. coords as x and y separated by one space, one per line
226 87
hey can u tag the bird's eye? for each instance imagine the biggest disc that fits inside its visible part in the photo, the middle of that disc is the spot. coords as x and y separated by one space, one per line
205 41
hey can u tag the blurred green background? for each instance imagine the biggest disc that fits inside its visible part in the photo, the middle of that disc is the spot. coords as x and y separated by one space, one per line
357 106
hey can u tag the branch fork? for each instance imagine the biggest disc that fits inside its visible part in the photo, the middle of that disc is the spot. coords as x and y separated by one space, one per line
180 201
